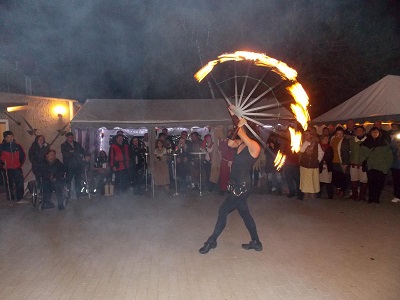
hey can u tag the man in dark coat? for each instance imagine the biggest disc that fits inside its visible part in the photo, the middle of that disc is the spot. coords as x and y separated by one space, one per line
72 153
52 174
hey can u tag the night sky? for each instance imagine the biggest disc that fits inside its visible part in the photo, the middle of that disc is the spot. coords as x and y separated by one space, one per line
151 49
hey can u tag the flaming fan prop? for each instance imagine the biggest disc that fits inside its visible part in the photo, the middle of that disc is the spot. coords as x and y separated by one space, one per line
254 82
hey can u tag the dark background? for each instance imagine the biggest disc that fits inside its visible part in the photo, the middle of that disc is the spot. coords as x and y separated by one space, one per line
151 49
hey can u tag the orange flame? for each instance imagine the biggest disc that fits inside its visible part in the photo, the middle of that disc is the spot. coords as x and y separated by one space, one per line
300 108
295 139
259 59
300 96
279 160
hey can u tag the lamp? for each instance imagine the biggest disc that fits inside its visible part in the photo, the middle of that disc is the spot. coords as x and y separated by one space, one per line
59 110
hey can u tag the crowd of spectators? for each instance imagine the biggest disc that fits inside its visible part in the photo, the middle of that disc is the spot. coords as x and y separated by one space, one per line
346 162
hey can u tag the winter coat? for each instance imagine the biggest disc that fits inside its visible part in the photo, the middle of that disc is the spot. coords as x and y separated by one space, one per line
377 154
355 144
12 155
37 155
119 156
50 171
72 155
328 157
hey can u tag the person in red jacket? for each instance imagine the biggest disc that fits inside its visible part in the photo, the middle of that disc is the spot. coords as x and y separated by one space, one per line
12 157
119 163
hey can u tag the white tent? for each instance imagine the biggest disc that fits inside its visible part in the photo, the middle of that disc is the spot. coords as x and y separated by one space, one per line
380 101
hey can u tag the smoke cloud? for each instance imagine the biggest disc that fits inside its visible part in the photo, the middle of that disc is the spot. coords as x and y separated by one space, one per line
151 49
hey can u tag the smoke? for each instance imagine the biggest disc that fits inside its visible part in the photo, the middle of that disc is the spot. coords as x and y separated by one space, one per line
151 49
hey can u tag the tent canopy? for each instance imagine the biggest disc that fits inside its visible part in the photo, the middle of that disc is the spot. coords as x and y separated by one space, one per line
380 101
109 113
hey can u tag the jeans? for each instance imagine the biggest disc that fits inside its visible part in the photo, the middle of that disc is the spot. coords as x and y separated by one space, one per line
231 203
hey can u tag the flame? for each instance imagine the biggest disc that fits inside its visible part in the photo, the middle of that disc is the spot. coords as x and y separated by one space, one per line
259 59
295 139
300 108
203 72
279 160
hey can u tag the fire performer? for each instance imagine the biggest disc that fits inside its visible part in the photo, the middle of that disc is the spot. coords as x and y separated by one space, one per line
247 151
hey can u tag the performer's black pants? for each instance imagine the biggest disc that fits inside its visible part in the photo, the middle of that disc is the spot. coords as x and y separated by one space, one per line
231 203
13 177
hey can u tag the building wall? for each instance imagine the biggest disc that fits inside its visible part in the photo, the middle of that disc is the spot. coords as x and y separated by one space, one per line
41 116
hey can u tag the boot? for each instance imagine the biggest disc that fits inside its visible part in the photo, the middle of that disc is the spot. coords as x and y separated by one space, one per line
363 191
210 244
354 190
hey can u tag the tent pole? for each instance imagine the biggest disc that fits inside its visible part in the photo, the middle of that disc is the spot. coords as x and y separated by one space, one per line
152 143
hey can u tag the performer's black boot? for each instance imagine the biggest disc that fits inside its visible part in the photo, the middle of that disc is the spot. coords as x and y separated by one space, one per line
256 245
210 244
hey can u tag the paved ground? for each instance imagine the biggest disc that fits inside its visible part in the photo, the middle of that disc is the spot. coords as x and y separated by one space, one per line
144 248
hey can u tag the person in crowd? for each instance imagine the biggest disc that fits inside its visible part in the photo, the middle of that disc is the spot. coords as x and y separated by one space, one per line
12 158
72 153
137 164
256 171
227 155
37 154
310 156
52 173
385 133
274 178
377 158
183 143
395 147
350 129
119 164
101 172
87 174
314 134
166 143
168 138
291 170
161 174
247 151
357 175
194 147
332 130
325 132
208 146
341 157
146 141
182 161
325 167
394 130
